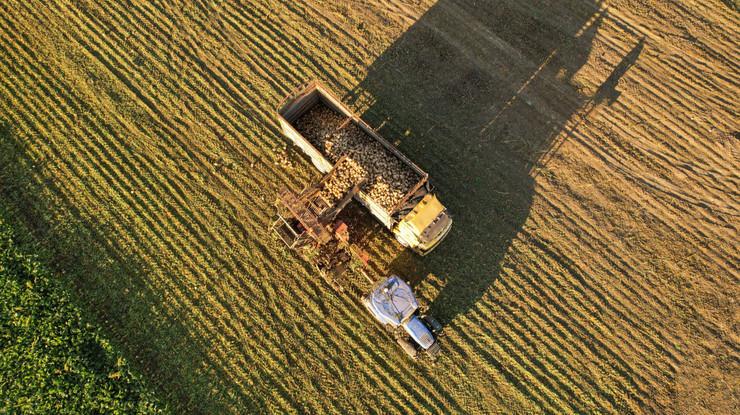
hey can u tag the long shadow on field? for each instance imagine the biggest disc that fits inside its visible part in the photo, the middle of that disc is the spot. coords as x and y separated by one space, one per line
93 266
475 93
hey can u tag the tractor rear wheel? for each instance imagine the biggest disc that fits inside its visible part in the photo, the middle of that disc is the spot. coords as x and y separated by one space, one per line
407 347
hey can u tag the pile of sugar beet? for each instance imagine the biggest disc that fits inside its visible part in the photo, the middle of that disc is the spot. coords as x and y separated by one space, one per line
388 178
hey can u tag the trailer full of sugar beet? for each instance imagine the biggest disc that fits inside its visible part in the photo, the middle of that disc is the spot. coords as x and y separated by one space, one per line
395 190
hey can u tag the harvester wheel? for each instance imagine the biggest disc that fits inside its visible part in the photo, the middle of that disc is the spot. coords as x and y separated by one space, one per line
407 347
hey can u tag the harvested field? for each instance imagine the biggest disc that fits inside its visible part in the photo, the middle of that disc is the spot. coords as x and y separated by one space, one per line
588 151
388 178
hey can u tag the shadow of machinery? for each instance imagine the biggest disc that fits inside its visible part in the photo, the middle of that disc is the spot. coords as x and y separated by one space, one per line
476 93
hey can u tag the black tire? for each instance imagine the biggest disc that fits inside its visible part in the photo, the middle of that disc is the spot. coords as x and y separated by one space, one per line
407 347
433 324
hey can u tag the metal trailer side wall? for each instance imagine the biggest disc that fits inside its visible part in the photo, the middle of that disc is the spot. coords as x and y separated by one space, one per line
296 105
292 111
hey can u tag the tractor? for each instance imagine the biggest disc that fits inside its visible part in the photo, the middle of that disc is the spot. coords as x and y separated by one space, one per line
393 304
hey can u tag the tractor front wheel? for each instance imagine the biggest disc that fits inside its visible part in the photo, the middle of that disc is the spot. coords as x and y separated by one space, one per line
433 324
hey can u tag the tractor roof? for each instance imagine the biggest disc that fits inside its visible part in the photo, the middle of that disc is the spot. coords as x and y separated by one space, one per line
392 301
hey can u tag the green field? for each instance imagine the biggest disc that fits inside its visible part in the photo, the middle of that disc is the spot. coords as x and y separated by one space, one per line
588 151
51 360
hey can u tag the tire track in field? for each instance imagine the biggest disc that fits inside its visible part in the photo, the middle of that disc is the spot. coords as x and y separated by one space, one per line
684 232
650 70
213 113
110 183
638 68
654 72
656 206
568 213
531 354
607 157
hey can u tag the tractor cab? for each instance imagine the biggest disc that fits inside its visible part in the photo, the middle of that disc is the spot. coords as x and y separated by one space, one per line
392 302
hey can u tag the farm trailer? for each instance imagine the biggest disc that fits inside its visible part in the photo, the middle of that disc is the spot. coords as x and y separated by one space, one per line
418 219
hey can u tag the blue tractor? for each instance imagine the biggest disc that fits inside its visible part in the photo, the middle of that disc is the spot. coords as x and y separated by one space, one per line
393 304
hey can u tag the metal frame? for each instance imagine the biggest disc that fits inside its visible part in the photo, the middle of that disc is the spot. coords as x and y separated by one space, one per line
282 228
311 211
